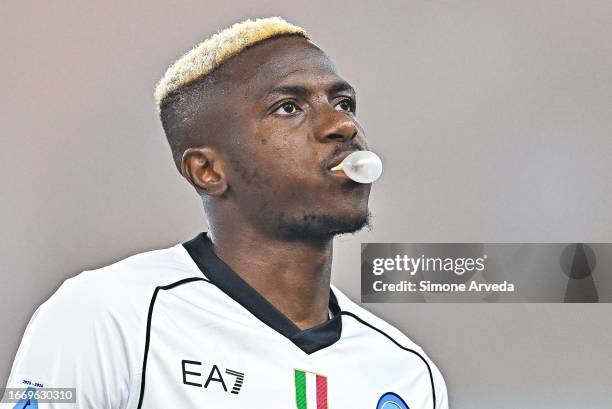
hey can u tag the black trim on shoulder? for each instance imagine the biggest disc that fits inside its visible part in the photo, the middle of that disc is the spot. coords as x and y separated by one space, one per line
220 274
148 335
367 324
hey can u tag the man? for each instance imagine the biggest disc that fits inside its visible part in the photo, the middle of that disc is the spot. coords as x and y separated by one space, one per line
244 315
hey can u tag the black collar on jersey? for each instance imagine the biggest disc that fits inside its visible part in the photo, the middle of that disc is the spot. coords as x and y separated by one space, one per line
310 340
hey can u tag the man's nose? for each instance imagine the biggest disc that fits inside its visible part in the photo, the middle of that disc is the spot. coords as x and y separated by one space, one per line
335 126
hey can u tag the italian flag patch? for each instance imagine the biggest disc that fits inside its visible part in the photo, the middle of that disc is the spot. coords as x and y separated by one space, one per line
310 390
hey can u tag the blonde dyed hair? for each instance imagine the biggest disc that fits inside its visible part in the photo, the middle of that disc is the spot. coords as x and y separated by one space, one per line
214 51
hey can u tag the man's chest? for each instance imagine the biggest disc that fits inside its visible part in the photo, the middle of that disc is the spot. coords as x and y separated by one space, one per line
200 357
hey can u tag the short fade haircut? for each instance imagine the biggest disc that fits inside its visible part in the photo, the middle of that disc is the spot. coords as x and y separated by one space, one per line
174 92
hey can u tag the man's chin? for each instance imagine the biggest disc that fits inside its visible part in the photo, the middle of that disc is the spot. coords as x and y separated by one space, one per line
355 225
322 226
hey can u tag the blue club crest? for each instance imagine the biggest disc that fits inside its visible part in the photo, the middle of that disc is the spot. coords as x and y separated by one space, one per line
28 401
391 400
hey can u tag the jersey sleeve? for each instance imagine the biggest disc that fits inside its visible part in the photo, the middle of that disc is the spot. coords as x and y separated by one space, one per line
76 339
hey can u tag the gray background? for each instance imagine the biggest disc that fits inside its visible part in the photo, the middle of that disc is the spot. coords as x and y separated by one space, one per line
493 119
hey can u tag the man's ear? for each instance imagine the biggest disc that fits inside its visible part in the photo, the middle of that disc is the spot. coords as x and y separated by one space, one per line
203 169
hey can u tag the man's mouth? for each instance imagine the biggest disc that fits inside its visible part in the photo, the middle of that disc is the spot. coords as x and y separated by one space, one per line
339 174
337 160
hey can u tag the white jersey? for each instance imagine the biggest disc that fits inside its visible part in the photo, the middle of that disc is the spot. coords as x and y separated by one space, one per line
177 328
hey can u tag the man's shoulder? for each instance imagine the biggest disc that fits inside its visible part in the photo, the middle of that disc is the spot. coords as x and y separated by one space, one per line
377 325
98 316
124 287
373 323
142 270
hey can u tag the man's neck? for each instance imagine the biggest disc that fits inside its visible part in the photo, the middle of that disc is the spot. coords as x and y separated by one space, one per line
293 276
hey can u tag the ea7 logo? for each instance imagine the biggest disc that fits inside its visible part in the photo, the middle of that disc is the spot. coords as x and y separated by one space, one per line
214 376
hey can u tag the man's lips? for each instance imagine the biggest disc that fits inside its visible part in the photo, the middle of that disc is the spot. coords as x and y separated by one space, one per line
336 160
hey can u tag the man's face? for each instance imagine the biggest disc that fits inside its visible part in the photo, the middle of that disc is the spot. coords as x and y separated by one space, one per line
286 115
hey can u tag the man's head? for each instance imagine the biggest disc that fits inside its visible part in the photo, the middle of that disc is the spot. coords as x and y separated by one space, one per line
255 122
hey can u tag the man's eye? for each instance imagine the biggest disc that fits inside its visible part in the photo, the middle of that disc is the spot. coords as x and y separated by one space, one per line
345 105
287 108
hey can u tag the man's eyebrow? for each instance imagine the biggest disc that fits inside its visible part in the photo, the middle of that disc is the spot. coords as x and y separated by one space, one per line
289 89
341 86
301 91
